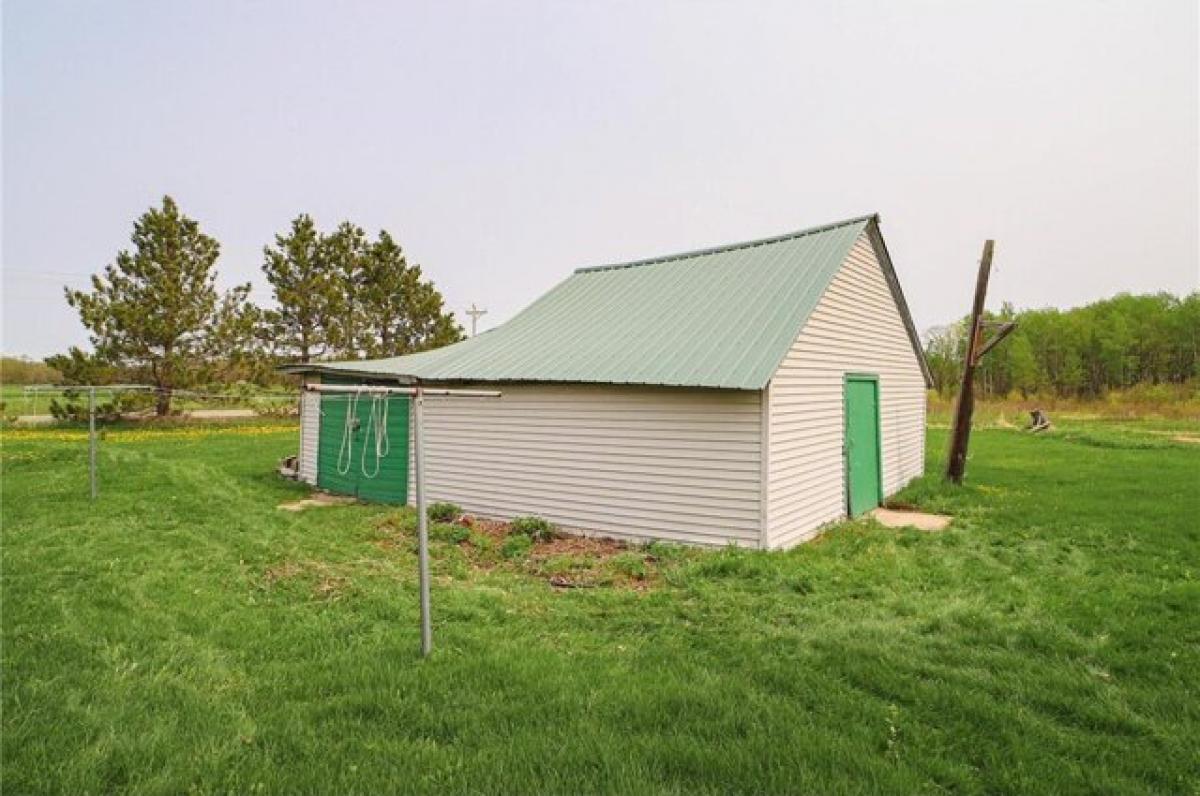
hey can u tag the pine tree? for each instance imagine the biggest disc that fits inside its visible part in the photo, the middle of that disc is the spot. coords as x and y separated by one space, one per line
401 313
157 309
306 291
345 251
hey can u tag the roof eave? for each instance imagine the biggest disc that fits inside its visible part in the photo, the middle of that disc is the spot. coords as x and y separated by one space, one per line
889 272
316 368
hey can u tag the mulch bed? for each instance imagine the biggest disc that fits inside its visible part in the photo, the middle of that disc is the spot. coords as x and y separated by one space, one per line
597 550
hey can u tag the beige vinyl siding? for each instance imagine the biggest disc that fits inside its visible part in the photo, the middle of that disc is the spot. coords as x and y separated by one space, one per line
310 428
856 328
629 462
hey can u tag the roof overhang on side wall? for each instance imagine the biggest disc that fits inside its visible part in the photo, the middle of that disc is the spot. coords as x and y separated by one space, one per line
317 369
889 272
311 369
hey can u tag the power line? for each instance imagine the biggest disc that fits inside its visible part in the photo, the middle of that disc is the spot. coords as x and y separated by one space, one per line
47 274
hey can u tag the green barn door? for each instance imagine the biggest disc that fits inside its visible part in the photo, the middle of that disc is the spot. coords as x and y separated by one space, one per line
354 460
863 476
342 477
383 478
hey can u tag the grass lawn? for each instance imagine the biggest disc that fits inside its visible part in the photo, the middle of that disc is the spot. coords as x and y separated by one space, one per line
16 401
182 634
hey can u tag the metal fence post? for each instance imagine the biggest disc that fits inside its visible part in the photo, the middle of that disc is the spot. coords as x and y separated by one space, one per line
92 439
422 519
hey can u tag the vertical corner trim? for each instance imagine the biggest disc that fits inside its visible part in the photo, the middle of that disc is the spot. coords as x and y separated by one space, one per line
764 453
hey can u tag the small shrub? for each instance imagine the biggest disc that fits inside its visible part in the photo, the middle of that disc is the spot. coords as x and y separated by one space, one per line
516 546
631 565
536 529
445 532
74 405
481 542
443 512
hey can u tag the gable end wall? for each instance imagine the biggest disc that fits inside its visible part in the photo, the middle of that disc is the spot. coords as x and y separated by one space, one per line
856 328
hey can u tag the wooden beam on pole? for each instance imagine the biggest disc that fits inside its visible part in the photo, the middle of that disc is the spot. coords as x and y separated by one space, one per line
1004 330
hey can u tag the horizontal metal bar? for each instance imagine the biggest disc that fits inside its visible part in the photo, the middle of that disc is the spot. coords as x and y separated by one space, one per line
86 387
425 391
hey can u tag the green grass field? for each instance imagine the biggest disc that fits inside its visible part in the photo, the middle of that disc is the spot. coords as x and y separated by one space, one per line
184 635
17 402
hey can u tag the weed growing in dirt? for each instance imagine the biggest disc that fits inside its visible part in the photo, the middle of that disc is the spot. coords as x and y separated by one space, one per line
443 512
536 528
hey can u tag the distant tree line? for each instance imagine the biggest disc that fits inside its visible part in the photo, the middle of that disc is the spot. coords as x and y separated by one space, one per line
23 370
155 314
1085 352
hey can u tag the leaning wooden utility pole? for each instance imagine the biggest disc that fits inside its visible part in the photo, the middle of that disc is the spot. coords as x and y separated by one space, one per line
960 435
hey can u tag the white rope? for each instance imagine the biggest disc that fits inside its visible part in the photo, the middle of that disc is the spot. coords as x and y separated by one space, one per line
347 447
377 423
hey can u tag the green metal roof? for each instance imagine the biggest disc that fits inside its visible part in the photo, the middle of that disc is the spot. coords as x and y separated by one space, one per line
722 317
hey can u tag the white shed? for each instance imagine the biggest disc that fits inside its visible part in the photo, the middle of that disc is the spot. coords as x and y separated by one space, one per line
744 394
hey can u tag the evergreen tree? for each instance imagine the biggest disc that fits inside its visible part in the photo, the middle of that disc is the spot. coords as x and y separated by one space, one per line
401 312
157 309
306 292
345 250
81 367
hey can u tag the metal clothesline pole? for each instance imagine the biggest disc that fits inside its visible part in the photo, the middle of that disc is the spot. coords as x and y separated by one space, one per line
422 521
418 394
93 442
92 439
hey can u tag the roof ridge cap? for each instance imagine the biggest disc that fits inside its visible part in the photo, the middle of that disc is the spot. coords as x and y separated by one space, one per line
729 246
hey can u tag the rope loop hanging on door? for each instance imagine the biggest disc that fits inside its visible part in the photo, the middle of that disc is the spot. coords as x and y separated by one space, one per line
376 424
346 449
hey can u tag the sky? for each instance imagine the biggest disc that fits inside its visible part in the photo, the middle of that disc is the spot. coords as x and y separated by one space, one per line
506 143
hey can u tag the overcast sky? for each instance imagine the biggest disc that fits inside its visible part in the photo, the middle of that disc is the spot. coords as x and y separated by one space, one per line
507 143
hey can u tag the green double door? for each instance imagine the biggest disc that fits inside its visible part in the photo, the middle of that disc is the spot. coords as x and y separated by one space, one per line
863 464
361 452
